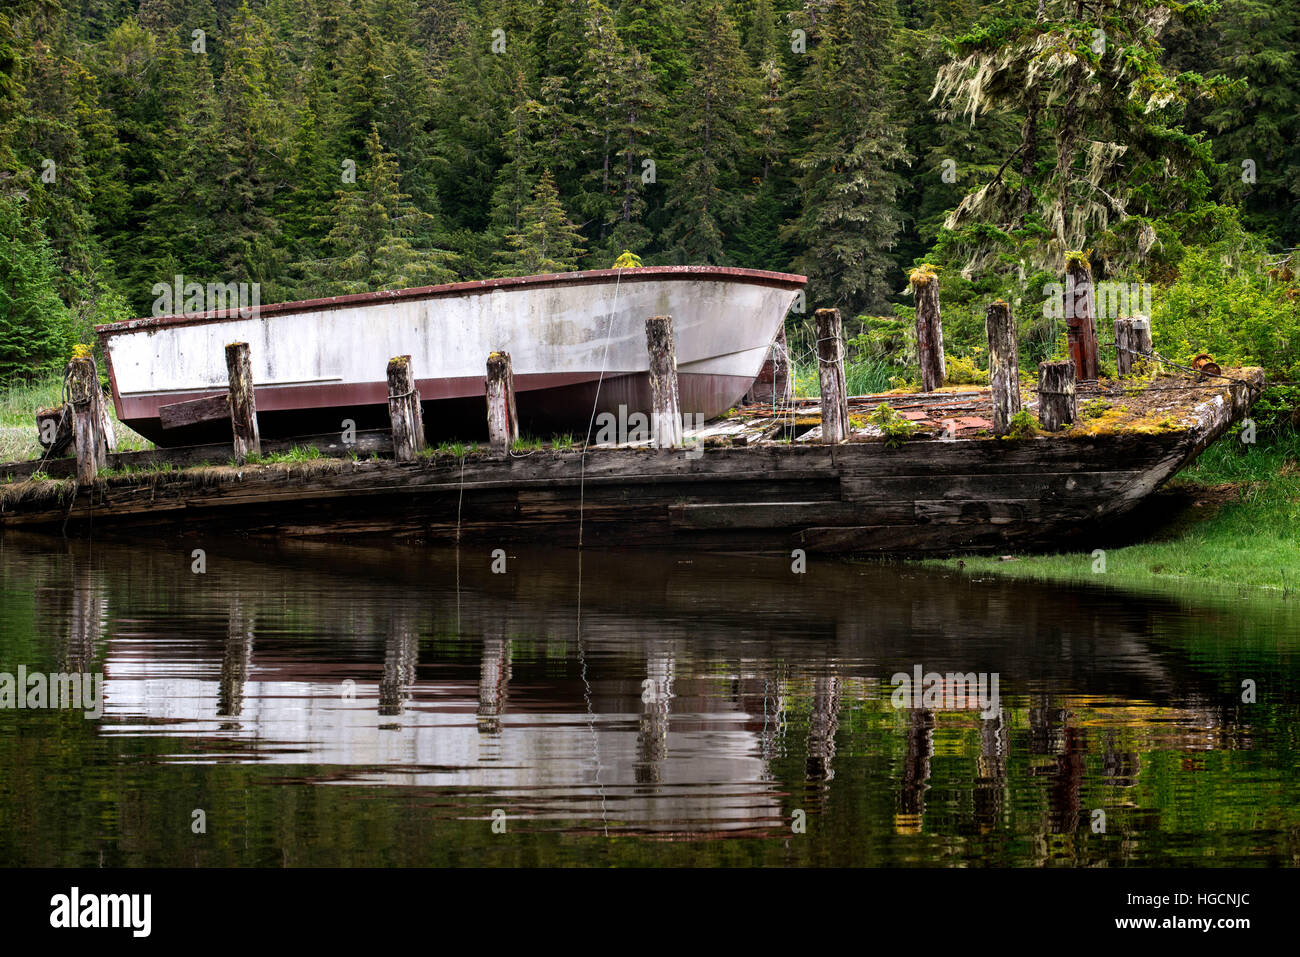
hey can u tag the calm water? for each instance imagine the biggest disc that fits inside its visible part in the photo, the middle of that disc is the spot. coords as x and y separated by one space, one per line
331 706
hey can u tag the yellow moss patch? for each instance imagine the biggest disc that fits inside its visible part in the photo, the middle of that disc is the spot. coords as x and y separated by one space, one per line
922 275
1153 425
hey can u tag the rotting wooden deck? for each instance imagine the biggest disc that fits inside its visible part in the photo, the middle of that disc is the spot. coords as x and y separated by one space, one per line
757 481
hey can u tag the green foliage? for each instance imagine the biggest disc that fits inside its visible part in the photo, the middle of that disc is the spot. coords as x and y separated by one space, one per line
545 240
373 236
1243 315
895 428
848 218
35 326
962 370
1093 408
1023 425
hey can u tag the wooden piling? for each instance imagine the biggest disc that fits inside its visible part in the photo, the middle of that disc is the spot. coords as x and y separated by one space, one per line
1132 344
830 372
665 403
87 424
243 402
55 422
1080 316
106 420
101 409
1004 365
929 328
502 419
782 380
404 410
1057 401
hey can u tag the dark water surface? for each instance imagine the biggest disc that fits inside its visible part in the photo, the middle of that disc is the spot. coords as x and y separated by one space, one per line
343 706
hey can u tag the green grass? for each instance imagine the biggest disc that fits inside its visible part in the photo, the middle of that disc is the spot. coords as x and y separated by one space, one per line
862 377
299 453
526 444
1252 539
19 402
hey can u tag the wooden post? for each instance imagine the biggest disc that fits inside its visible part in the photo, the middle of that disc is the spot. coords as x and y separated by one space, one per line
1057 402
110 434
243 402
1004 365
1080 316
1132 343
830 373
503 421
929 328
782 380
54 425
101 409
404 410
87 425
665 404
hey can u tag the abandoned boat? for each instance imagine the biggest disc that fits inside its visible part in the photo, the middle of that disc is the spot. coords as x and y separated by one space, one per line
576 340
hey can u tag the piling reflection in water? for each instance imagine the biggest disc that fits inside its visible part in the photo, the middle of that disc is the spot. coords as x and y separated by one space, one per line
693 699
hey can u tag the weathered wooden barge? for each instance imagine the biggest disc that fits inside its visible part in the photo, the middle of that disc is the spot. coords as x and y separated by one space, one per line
762 479
943 470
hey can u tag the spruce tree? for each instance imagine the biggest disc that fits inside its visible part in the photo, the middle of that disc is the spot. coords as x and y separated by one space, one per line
849 221
711 127
546 241
371 245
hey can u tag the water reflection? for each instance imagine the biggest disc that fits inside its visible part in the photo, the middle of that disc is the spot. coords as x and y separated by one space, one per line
688 699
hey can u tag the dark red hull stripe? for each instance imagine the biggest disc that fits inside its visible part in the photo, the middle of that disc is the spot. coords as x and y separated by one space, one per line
560 402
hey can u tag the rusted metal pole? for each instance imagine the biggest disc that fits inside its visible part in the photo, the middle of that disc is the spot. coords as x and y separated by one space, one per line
243 402
1080 316
87 425
1057 402
1004 365
503 421
404 410
830 373
1132 343
665 403
929 328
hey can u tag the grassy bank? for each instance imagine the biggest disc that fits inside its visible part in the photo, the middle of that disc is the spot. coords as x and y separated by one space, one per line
1242 528
18 405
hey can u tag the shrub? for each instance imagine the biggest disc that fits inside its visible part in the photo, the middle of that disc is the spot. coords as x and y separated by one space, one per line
893 426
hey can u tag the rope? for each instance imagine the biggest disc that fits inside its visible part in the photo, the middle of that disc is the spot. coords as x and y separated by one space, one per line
582 481
595 403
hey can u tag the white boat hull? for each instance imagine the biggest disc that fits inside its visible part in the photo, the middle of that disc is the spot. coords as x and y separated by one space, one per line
576 341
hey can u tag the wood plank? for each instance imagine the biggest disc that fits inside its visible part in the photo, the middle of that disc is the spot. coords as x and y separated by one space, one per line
764 514
210 408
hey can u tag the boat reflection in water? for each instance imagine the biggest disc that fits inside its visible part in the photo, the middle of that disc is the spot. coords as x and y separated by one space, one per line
681 698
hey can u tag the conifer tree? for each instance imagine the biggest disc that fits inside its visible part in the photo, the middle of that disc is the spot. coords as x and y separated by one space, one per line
848 221
371 244
34 323
711 127
546 241
1100 151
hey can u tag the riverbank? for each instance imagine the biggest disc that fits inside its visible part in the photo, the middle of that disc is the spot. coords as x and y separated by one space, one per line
1239 526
